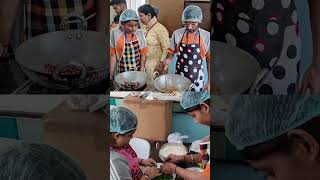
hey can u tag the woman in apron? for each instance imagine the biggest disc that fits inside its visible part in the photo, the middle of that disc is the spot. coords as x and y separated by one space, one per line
192 49
128 47
269 31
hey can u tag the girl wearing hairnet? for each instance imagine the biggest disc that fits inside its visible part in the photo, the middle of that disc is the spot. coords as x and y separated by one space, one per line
128 47
191 46
157 37
20 160
269 31
197 104
123 124
278 135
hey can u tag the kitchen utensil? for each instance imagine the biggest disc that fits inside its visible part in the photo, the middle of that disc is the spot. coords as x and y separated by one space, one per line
175 149
233 69
131 80
178 82
76 49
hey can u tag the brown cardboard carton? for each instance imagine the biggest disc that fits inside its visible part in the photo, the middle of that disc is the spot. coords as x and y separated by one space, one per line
81 135
154 118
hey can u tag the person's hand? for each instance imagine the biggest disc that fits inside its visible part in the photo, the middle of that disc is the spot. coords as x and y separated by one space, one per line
311 80
168 168
160 67
152 172
148 162
174 159
111 77
167 63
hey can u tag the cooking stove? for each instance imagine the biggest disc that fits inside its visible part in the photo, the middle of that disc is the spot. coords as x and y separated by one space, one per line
30 87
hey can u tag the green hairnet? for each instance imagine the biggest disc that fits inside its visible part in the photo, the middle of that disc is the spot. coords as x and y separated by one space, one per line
257 119
192 13
192 98
122 120
129 15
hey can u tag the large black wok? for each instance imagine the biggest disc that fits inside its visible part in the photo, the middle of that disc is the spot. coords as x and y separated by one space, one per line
66 59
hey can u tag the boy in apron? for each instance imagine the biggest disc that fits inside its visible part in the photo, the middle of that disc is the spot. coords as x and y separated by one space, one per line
191 46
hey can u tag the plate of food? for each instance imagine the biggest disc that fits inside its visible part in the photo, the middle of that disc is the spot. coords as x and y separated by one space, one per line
172 148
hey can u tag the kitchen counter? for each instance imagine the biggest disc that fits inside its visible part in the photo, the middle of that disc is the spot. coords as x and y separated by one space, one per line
29 104
152 95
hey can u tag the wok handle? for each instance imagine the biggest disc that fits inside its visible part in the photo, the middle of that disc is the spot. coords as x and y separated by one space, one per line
65 20
57 77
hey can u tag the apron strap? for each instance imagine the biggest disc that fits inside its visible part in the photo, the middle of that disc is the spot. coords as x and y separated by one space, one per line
126 38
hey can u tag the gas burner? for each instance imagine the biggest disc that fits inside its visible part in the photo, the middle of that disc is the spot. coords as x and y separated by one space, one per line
30 87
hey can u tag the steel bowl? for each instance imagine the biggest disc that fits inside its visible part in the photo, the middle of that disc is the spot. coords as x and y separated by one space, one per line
178 82
131 80
233 70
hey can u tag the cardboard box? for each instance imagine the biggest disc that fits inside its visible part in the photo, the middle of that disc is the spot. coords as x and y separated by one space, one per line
81 135
154 118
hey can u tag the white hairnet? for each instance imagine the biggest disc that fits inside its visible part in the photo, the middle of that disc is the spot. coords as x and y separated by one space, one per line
129 15
257 119
192 98
192 13
32 161
122 120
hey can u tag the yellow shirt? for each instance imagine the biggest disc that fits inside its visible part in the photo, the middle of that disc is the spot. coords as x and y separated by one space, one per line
158 42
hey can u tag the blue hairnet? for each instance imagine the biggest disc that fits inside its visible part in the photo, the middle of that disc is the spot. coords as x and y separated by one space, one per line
192 98
192 13
122 120
129 15
257 119
21 160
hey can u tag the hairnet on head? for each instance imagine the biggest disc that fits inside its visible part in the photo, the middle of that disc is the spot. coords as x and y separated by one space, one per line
122 120
192 13
32 161
156 10
128 15
192 98
256 119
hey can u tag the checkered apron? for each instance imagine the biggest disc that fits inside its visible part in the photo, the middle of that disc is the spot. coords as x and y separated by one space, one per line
131 57
44 16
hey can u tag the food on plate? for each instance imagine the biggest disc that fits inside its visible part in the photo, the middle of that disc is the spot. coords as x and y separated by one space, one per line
132 84
169 90
195 169
174 149
68 70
